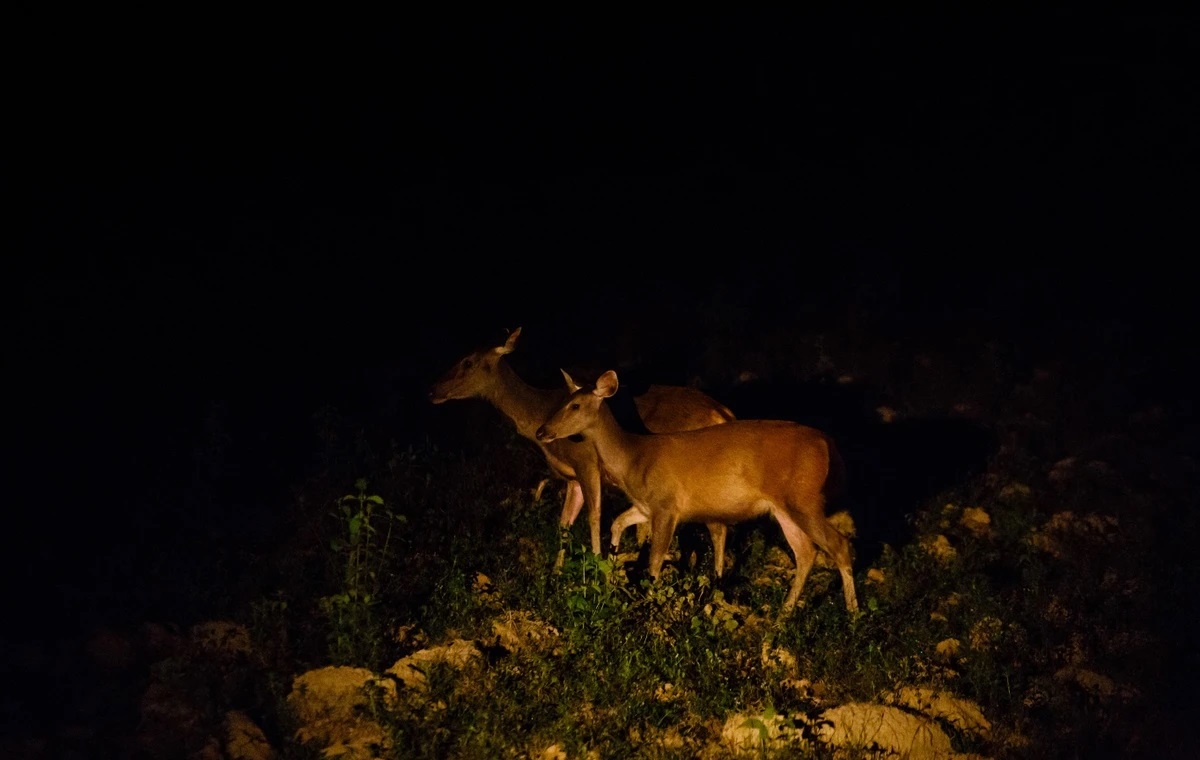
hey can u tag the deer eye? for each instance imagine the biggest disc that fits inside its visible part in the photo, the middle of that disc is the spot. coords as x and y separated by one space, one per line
467 363
574 406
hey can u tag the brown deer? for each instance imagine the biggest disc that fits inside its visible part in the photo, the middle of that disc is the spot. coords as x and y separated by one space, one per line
487 375
722 474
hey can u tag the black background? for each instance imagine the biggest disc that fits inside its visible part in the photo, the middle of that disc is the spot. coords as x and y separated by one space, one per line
272 212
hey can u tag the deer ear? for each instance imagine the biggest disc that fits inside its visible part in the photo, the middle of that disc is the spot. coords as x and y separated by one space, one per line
510 345
571 384
607 384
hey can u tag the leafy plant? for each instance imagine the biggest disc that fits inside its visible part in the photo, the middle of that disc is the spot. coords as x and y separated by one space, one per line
768 720
362 552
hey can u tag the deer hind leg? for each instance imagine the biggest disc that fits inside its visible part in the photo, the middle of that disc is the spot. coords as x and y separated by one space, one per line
839 548
718 531
635 515
805 554
833 543
643 533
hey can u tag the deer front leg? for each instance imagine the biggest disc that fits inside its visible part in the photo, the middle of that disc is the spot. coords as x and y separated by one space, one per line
572 503
590 479
662 525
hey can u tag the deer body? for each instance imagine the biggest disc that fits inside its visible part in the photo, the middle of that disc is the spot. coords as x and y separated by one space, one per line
725 474
485 374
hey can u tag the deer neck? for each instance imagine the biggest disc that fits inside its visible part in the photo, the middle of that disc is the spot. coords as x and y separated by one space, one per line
525 406
618 448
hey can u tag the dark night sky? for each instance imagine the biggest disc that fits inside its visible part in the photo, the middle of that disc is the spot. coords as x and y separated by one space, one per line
228 206
217 150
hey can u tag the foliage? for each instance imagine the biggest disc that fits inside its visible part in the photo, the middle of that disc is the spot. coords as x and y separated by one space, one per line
363 554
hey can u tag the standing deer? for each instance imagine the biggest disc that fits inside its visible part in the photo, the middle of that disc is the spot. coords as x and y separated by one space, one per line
486 374
722 474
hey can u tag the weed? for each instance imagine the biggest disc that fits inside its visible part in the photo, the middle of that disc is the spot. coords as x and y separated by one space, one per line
355 634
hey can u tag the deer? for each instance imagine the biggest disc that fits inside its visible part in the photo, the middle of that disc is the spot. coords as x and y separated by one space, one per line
725 474
486 374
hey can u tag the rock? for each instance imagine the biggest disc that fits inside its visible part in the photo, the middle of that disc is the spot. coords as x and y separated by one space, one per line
751 735
977 521
960 713
244 740
410 670
328 704
888 731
